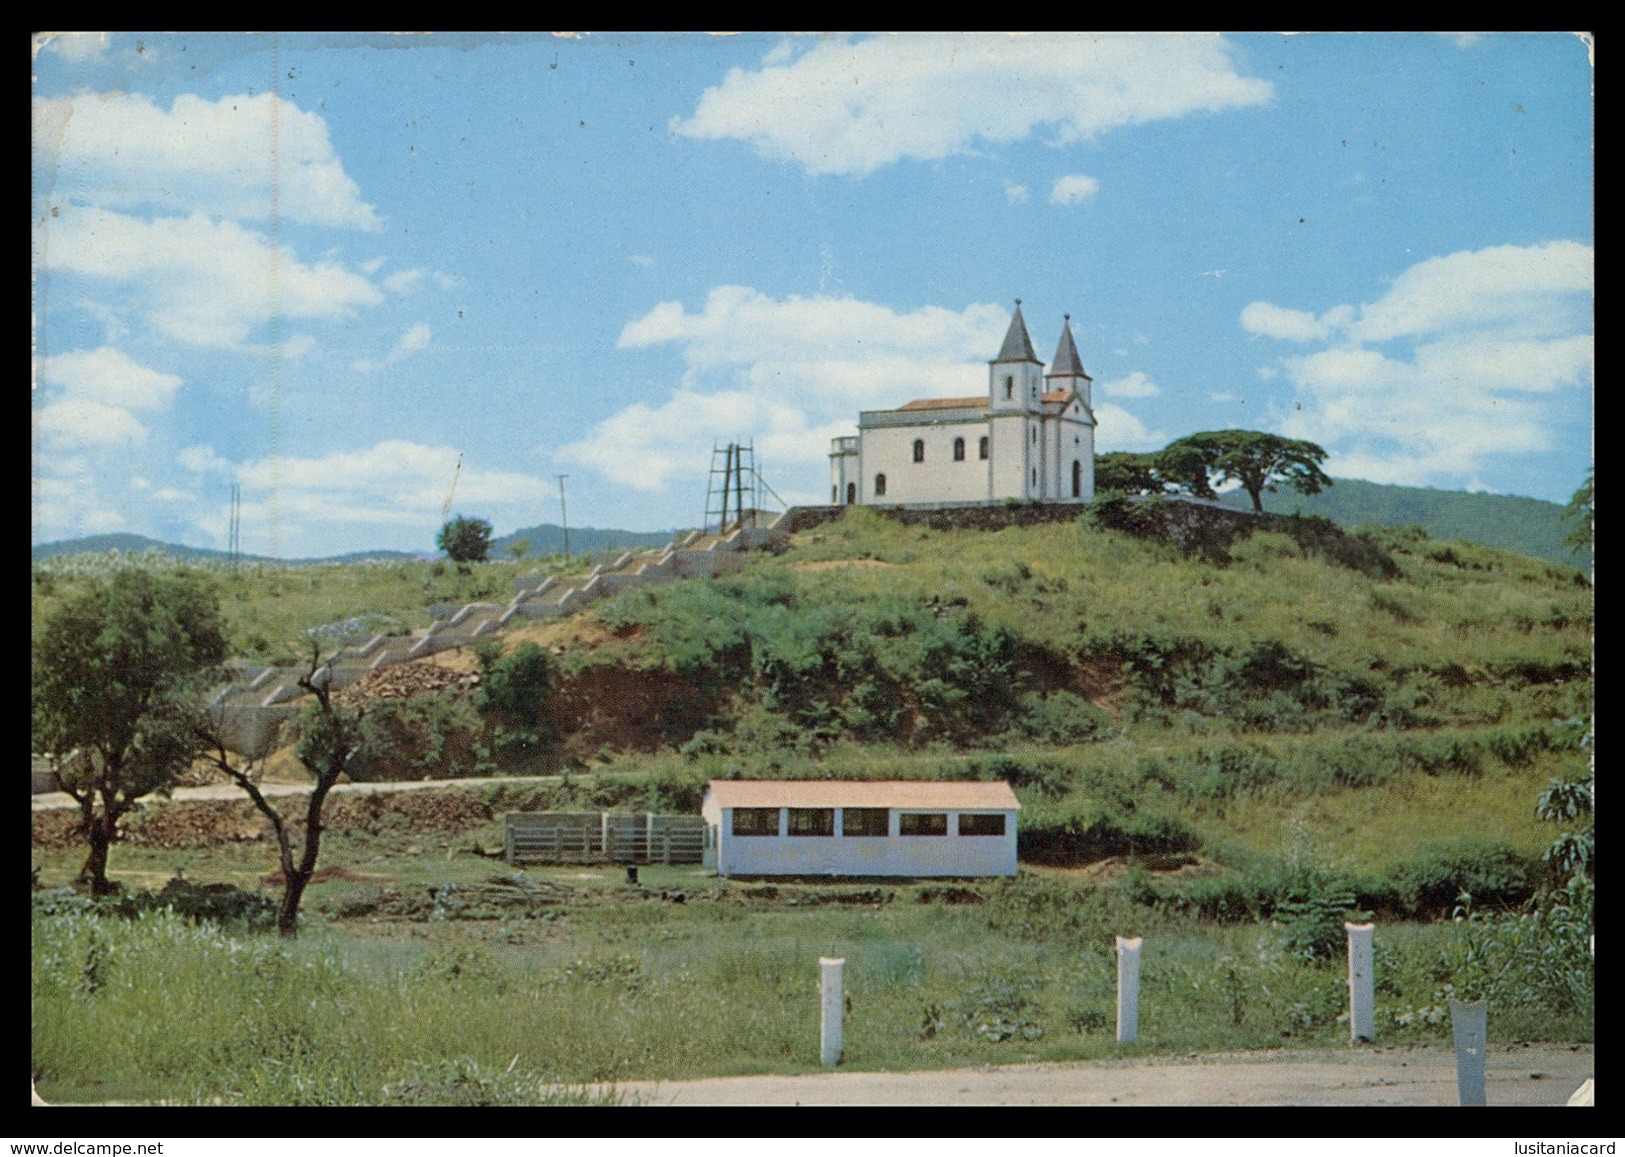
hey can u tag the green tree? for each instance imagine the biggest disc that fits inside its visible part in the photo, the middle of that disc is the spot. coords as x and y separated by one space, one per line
118 672
1580 507
513 693
1258 461
519 548
465 539
1122 473
1185 467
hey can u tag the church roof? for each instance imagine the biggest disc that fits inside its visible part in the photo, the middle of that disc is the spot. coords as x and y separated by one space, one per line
1057 397
1067 362
978 402
1017 347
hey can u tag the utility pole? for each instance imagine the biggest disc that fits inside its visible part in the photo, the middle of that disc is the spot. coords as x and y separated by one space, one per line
564 517
234 548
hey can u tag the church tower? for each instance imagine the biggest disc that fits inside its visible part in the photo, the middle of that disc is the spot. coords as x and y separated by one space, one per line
1066 373
1015 383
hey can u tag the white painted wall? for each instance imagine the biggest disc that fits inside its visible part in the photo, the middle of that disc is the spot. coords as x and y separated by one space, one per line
841 855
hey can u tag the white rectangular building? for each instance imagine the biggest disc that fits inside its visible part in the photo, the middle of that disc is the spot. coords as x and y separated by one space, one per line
848 828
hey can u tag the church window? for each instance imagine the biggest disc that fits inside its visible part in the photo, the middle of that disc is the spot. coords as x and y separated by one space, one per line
851 493
880 486
919 450
959 449
1035 435
1035 477
1077 479
834 495
1035 391
981 449
1009 387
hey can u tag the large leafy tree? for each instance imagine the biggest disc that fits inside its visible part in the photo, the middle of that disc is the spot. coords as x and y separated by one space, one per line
1258 461
465 539
118 673
1123 473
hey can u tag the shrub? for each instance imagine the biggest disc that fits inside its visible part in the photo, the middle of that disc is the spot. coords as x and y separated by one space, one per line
1492 873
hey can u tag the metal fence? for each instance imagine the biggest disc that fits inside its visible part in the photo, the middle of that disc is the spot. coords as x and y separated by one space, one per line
599 837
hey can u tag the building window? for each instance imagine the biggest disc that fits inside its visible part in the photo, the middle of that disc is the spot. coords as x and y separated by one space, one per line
981 449
1009 388
922 824
981 824
834 495
1035 435
812 821
1077 479
880 486
851 493
1035 391
959 449
919 450
756 821
1035 478
865 821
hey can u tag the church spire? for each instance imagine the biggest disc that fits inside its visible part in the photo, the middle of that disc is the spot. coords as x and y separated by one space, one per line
1067 363
1017 347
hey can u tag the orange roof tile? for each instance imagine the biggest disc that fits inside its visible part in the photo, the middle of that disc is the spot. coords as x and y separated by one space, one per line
945 403
995 796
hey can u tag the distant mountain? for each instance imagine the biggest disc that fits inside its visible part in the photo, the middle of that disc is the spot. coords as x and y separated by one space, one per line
547 539
1525 525
544 540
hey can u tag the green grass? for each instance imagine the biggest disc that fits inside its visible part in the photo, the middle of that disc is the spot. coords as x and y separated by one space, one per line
613 991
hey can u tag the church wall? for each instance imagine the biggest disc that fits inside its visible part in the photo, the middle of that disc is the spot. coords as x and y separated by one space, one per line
890 451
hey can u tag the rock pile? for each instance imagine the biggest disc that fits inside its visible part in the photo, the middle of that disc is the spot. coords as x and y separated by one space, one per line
404 681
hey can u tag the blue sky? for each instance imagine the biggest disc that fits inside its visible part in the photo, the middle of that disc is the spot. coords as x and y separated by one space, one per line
325 267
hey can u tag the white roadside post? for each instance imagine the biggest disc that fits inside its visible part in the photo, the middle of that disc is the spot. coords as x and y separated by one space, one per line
1362 998
1128 988
1470 1025
830 973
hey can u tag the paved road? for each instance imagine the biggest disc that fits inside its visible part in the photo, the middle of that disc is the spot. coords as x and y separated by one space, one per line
51 800
1536 1074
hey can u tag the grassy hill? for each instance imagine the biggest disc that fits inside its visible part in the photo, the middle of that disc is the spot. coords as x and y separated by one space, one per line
1525 525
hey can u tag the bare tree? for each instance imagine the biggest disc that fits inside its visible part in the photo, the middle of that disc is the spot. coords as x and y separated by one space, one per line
328 740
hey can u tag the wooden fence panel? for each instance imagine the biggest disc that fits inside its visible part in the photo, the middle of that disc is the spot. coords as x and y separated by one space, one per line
598 837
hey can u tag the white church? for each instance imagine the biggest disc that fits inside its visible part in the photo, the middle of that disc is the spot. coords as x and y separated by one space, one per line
1031 438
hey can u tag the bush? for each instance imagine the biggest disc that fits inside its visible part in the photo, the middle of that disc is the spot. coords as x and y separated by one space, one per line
465 539
1493 874
1082 831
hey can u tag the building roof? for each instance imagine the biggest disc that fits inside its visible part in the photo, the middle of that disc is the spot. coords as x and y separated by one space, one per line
995 796
1067 362
1057 397
1017 347
977 403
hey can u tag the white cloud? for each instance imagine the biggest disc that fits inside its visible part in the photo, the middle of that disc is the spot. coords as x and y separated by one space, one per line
446 280
641 260
202 459
1117 429
412 341
1481 356
1268 320
209 283
76 47
1135 385
1014 194
788 374
850 108
226 158
390 482
80 422
1222 398
403 282
1071 189
110 377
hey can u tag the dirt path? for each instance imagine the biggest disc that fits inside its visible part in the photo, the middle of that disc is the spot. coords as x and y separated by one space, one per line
1519 1074
52 800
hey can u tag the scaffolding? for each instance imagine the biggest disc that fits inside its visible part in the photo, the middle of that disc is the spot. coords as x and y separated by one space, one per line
735 481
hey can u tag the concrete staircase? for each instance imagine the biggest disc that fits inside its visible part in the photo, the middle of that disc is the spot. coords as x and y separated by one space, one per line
250 710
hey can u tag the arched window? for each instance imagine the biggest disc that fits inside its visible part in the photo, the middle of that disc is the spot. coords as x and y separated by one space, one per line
981 449
919 450
959 449
1077 479
880 486
1009 387
851 493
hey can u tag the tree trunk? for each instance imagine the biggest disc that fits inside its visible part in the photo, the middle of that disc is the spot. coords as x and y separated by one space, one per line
287 916
99 833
